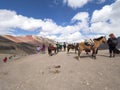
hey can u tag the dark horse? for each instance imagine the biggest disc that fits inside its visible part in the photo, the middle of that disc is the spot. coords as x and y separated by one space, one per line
52 48
94 48
73 47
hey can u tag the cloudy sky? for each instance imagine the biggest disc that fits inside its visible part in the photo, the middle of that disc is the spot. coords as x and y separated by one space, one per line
61 20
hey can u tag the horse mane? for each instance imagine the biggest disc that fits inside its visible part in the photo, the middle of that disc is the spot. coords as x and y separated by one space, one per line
98 39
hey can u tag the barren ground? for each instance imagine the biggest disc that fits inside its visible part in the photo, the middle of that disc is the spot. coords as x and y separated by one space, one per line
61 72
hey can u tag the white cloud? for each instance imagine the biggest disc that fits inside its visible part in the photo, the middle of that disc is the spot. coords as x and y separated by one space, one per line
101 15
82 16
75 3
50 26
101 1
70 37
69 33
9 19
107 19
100 27
83 20
80 3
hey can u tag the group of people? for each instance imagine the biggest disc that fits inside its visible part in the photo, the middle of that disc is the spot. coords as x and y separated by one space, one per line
58 46
112 43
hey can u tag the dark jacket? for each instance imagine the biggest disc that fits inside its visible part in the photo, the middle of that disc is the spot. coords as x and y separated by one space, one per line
112 42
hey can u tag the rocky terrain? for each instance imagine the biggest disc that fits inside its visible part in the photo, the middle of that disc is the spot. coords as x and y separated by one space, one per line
21 44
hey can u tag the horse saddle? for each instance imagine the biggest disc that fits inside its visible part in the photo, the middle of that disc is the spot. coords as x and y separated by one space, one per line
89 42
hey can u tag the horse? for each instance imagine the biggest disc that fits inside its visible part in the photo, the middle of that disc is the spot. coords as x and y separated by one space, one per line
97 42
52 48
72 46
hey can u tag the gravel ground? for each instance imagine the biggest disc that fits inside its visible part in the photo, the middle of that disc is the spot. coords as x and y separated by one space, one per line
61 72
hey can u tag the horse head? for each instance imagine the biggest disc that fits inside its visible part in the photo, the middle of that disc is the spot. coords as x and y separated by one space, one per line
104 40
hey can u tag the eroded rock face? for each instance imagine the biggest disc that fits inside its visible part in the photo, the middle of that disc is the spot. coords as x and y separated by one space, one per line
21 44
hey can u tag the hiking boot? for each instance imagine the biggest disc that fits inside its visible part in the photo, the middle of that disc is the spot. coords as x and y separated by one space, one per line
114 55
110 56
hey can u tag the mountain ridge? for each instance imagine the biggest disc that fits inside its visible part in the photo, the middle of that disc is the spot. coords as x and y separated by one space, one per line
22 44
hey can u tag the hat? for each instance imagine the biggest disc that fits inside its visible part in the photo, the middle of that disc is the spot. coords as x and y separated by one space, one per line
112 35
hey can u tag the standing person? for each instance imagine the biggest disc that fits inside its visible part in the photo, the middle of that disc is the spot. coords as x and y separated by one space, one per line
58 46
64 46
112 43
38 49
43 48
5 59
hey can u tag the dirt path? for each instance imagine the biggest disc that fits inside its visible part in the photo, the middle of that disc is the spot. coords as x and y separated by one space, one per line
61 72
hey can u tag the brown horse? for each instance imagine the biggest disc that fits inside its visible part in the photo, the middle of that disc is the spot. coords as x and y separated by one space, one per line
73 47
52 48
94 48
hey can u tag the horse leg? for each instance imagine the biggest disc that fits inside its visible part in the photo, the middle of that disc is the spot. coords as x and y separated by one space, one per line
75 51
55 51
49 51
79 52
68 50
97 51
94 54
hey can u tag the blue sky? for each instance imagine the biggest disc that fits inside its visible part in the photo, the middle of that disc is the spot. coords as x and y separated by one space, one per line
61 20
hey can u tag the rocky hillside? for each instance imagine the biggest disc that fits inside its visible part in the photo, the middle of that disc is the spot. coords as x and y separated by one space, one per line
21 44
